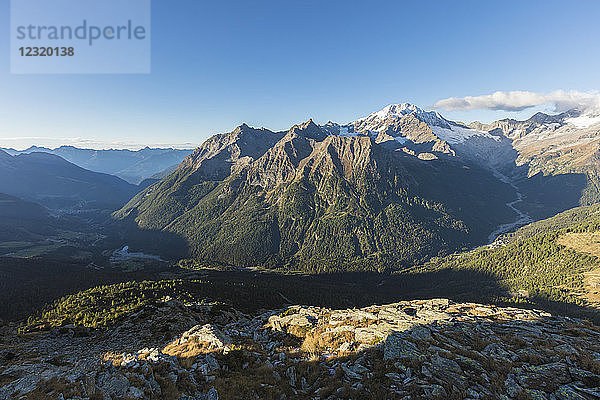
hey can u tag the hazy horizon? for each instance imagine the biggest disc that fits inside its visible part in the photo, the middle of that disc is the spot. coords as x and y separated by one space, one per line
27 142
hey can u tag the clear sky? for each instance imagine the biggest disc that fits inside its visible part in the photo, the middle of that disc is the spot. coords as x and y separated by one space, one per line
276 63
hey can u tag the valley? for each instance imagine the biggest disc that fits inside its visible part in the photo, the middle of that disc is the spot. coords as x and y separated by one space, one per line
522 218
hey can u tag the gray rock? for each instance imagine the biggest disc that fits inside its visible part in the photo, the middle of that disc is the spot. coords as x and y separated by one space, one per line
496 350
291 375
135 393
208 334
566 348
512 387
568 393
212 363
587 377
116 385
350 373
420 332
428 316
536 394
394 376
435 392
22 385
546 376
442 366
296 316
372 334
468 363
212 394
397 346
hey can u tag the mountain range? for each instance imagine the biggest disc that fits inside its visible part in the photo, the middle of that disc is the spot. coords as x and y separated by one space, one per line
396 186
132 166
382 192
22 220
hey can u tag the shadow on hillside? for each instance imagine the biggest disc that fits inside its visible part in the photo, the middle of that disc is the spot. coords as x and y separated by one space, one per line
167 245
359 289
546 196
28 284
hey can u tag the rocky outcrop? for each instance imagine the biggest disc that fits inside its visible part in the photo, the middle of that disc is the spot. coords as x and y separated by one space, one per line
207 334
221 154
422 349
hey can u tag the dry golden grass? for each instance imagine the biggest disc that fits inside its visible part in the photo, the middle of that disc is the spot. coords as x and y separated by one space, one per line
320 340
592 286
299 331
585 242
186 350
115 358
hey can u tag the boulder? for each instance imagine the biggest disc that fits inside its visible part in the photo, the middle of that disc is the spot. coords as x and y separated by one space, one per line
397 345
208 334
114 385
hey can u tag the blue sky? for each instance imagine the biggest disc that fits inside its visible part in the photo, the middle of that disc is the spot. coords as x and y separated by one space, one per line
276 63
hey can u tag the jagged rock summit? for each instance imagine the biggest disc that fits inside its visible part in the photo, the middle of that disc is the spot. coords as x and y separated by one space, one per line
421 349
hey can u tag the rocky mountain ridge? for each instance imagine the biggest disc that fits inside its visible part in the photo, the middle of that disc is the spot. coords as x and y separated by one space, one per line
431 349
307 195
503 145
292 188
550 144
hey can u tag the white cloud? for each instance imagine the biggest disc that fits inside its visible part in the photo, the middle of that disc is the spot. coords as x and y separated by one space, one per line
560 100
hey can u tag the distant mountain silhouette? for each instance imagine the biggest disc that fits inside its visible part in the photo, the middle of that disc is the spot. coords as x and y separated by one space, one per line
58 184
132 166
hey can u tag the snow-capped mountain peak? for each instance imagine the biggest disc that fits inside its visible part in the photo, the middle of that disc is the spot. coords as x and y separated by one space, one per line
585 119
393 111
382 120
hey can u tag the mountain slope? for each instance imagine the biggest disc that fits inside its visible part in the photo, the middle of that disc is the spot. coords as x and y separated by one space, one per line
132 166
553 260
22 220
57 184
308 199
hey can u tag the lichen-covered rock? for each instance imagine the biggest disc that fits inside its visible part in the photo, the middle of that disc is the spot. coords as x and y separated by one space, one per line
512 386
113 385
293 319
208 334
546 377
568 393
398 346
